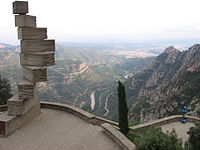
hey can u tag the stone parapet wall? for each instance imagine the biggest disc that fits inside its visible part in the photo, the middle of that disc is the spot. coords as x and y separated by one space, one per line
68 108
77 112
99 121
109 128
118 137
163 121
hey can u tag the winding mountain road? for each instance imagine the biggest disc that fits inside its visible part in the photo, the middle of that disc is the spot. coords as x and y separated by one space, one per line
75 100
106 105
92 98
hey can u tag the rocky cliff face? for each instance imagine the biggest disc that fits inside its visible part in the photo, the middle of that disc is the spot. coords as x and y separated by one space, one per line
166 86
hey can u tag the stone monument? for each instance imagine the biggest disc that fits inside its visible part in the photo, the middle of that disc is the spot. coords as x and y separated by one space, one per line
36 54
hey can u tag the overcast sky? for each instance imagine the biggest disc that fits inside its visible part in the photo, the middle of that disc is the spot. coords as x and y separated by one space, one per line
90 20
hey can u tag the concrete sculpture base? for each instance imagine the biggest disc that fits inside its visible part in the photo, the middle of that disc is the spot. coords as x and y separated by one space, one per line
9 124
36 54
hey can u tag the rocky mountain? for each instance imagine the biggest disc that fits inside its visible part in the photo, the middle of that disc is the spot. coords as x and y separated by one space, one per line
171 82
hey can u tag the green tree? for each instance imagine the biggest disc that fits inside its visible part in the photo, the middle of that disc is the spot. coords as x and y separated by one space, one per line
154 139
123 109
5 90
194 138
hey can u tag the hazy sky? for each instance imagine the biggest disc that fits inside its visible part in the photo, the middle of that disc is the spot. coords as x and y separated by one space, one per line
90 20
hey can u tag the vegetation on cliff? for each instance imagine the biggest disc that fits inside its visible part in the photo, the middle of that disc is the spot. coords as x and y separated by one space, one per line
194 138
5 90
171 82
154 139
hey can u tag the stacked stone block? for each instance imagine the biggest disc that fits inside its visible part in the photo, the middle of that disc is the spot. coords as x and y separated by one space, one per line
36 54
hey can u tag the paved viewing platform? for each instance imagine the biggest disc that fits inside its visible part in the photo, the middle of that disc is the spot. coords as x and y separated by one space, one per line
58 130
60 127
180 128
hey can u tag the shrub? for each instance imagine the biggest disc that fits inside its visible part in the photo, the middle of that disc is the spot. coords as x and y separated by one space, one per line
154 139
198 112
5 90
130 124
194 138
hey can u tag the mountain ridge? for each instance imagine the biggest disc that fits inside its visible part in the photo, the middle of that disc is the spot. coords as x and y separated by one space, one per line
164 85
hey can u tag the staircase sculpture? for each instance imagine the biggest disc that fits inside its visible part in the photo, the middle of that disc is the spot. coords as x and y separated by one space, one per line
36 55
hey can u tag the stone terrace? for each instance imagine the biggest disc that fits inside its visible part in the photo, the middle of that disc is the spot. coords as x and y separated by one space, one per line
58 130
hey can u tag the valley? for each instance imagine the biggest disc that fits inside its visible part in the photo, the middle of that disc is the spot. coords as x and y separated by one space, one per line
86 76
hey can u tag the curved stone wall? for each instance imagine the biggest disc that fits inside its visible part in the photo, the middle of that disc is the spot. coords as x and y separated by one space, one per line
110 128
77 112
163 121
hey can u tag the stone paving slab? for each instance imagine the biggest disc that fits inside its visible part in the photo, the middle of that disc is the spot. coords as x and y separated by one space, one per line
58 130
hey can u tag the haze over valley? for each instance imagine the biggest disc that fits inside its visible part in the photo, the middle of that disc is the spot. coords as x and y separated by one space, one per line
86 74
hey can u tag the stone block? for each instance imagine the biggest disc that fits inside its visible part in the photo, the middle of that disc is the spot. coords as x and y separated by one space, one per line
20 7
26 90
34 111
37 59
37 46
15 106
25 21
18 107
34 74
9 124
30 33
